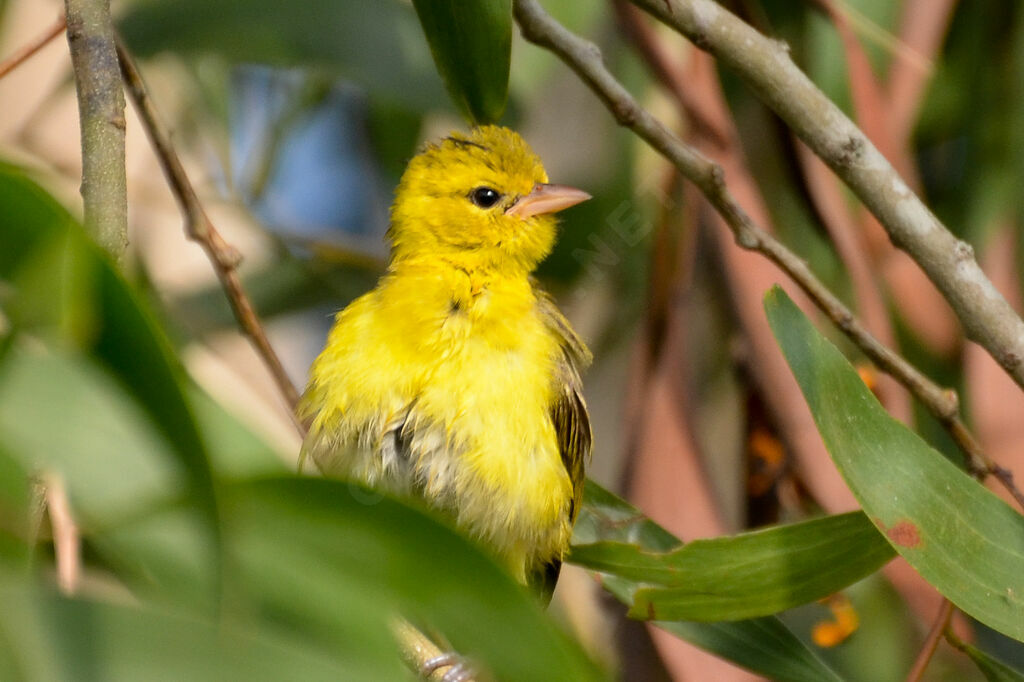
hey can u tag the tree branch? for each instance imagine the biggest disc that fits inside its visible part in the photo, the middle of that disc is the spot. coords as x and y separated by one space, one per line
30 48
949 262
585 59
931 642
101 113
198 228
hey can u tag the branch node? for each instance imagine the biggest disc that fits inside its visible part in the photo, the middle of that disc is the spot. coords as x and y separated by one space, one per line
624 112
952 406
963 251
1009 360
849 152
782 47
717 175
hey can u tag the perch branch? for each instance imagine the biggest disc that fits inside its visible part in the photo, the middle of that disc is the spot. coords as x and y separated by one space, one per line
585 59
417 650
766 65
101 115
198 228
39 42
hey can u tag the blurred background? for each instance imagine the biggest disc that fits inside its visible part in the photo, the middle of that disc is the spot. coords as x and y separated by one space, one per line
296 119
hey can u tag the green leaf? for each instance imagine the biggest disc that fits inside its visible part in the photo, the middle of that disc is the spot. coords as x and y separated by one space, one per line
46 637
303 547
118 331
60 411
960 537
747 575
15 500
472 47
763 645
993 669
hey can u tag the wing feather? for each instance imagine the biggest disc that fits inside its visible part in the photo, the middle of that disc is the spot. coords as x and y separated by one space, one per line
568 415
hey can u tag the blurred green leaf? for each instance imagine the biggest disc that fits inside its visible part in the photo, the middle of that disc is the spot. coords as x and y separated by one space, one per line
472 47
747 575
993 669
763 645
15 500
305 546
377 44
61 411
959 536
117 331
46 637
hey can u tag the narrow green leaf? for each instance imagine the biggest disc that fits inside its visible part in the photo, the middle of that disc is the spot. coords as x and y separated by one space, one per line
959 536
45 637
993 669
119 332
15 514
763 645
472 47
747 575
303 547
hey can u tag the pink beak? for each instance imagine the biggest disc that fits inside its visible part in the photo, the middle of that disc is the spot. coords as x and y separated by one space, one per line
546 199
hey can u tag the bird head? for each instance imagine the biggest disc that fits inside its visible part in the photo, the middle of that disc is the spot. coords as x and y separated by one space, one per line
483 197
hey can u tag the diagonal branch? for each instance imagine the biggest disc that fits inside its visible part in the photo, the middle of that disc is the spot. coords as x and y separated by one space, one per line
585 59
931 642
949 262
198 228
30 48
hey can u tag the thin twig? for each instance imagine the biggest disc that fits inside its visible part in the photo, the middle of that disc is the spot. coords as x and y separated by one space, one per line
90 33
931 642
198 228
585 59
66 539
765 64
39 42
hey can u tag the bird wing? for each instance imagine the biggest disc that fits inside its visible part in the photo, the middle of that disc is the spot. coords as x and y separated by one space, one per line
569 416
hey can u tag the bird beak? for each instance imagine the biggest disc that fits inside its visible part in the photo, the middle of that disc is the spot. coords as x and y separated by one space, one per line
546 199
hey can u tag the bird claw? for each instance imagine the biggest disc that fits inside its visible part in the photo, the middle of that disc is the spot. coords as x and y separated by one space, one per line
459 669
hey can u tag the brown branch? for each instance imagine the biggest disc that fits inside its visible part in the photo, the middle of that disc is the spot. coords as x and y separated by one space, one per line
931 642
585 59
198 228
66 540
631 21
104 189
23 53
765 64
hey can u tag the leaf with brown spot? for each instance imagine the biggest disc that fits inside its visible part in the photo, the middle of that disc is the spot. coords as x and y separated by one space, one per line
959 536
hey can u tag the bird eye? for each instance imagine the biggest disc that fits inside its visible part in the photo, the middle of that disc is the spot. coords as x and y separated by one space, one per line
484 197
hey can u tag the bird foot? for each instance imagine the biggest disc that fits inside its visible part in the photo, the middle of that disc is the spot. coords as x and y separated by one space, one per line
459 669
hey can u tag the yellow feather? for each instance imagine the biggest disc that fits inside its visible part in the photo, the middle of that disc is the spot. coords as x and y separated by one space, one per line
449 379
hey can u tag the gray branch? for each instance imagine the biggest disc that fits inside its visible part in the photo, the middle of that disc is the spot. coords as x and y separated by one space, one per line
101 114
766 66
585 59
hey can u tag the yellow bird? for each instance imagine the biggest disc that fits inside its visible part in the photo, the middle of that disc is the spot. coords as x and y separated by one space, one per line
457 379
